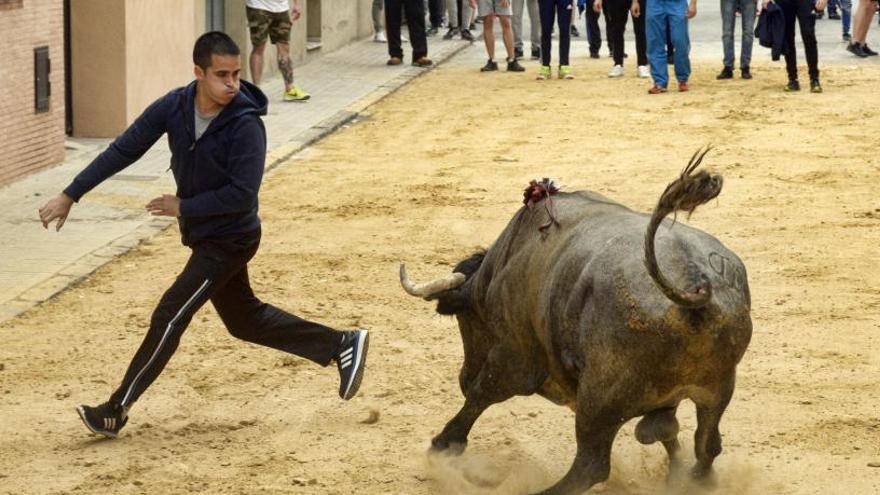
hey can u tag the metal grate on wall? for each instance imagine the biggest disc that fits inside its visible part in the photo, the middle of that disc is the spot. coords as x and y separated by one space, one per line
215 15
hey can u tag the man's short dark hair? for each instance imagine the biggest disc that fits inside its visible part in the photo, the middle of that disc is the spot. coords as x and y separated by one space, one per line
213 43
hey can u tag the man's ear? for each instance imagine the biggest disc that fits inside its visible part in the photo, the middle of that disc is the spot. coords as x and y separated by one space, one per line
198 72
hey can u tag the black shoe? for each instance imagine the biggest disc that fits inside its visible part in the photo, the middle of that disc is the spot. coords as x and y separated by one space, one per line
536 53
847 37
518 52
726 73
514 66
432 31
868 51
490 66
106 419
745 73
856 49
575 32
451 33
815 86
793 85
670 60
820 14
594 54
350 361
834 15
467 35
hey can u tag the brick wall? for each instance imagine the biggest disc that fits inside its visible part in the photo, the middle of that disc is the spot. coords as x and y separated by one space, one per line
30 141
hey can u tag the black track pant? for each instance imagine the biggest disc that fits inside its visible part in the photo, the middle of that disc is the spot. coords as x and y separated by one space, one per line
802 12
415 23
217 271
616 15
560 11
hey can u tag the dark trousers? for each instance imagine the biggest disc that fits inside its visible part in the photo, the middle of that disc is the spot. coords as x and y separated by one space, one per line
435 13
217 272
802 12
549 11
415 23
617 12
594 34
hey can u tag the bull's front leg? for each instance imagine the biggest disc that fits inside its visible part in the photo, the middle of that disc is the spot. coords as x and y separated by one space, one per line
501 377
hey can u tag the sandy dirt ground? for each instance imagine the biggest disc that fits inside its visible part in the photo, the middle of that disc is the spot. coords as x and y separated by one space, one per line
429 175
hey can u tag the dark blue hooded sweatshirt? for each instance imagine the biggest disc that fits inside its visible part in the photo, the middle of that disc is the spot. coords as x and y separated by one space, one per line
217 177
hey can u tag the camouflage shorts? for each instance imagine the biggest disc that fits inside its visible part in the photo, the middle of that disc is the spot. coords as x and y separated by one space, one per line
263 24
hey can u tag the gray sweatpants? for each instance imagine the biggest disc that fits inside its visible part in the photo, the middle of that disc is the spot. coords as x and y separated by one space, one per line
534 20
452 12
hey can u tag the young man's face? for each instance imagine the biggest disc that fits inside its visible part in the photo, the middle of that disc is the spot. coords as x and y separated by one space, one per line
220 81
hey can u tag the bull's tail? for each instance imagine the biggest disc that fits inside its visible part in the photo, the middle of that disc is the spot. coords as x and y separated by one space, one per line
683 194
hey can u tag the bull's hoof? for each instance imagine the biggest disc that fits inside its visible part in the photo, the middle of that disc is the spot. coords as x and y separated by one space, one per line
451 447
704 476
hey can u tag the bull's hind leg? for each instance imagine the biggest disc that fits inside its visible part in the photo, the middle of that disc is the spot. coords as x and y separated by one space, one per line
501 377
707 439
661 426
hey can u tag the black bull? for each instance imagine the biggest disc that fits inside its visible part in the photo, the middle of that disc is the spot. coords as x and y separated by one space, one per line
588 316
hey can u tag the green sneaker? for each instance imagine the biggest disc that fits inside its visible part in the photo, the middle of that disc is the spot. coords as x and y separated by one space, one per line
544 73
565 72
296 94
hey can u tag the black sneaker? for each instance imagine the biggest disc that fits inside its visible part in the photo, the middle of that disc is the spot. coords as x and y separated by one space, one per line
594 54
726 73
834 15
793 85
847 37
432 31
350 362
856 49
451 33
466 34
745 72
106 419
490 66
815 86
575 32
868 51
518 52
514 66
536 53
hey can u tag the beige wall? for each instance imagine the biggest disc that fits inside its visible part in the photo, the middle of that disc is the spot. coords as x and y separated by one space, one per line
97 64
30 141
158 49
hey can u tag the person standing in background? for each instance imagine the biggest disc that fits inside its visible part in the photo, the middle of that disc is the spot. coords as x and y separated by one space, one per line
272 19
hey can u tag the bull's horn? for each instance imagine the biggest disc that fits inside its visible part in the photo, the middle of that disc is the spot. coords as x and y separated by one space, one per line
431 288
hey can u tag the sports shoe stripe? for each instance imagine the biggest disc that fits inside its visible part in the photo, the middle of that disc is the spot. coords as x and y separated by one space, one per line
345 353
362 335
168 329
345 364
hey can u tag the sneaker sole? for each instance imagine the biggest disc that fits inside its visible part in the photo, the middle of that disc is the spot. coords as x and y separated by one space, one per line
360 364
297 100
82 416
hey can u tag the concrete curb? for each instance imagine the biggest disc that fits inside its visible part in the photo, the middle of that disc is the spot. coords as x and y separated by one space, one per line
86 265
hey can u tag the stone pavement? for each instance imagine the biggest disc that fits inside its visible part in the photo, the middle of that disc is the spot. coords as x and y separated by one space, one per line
36 264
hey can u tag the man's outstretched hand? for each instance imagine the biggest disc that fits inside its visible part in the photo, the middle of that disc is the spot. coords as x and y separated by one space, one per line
56 209
167 205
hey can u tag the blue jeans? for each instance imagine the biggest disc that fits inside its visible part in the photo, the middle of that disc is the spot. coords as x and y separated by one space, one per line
845 15
668 17
728 25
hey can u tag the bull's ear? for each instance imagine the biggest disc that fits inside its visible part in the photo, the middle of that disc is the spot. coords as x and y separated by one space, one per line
452 302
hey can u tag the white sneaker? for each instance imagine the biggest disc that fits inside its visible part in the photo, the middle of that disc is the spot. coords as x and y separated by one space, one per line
380 37
644 71
616 71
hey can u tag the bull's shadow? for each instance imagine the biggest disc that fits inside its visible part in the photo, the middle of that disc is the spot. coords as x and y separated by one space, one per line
613 313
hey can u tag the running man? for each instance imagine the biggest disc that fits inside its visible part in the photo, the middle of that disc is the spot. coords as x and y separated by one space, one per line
218 151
